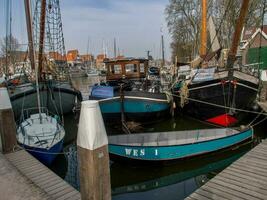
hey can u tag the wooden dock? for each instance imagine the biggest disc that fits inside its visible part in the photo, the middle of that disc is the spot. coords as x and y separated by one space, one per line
246 178
52 185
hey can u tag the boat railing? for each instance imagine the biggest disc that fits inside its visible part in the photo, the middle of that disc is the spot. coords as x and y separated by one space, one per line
43 138
26 113
251 69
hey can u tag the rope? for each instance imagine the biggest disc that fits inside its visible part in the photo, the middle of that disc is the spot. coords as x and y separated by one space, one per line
54 39
60 105
220 106
255 118
256 124
224 98
184 93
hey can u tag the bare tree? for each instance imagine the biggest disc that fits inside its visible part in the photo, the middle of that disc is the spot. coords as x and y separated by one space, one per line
183 20
8 44
8 52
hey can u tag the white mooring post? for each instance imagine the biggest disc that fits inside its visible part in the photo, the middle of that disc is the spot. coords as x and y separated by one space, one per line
92 146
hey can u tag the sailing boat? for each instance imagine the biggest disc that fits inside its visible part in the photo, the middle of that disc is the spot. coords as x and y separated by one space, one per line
56 92
217 96
41 134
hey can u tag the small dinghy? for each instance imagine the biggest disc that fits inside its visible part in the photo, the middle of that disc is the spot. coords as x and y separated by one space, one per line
42 136
175 145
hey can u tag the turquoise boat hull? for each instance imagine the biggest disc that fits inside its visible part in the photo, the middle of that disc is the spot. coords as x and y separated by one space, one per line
136 105
136 110
175 152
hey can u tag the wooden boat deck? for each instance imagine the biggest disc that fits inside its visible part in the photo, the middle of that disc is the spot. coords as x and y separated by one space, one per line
54 186
246 179
171 138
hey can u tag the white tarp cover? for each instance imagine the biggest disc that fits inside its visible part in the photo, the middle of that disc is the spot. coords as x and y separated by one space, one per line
204 74
91 132
264 75
184 68
4 99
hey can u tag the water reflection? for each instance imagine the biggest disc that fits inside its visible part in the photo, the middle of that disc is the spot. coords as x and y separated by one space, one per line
175 181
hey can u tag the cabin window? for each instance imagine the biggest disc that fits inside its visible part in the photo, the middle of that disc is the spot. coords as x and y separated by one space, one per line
116 69
142 67
131 68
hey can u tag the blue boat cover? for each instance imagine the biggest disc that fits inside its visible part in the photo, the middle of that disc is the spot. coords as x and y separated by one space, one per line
102 91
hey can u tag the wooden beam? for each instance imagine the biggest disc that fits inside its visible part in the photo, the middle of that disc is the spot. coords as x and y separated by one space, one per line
238 30
30 34
7 123
42 37
203 44
93 156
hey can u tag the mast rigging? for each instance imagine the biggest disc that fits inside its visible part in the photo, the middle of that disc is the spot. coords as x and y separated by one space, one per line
42 37
31 49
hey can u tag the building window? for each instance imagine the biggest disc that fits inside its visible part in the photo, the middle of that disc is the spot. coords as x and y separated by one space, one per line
131 68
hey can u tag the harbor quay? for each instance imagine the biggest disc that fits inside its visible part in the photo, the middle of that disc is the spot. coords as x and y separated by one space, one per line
133 100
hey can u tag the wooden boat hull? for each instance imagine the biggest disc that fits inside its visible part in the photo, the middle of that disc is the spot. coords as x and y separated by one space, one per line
58 100
240 94
176 152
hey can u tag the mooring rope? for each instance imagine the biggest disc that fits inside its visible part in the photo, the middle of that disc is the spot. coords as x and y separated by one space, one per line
220 106
259 122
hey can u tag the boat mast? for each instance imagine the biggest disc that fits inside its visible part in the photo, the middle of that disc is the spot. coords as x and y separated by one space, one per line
87 52
203 44
30 34
115 48
31 51
8 35
162 48
236 39
42 35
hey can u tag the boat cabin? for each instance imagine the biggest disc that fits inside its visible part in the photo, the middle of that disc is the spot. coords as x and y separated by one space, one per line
126 68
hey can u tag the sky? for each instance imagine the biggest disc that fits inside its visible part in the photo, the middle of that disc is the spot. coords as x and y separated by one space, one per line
136 25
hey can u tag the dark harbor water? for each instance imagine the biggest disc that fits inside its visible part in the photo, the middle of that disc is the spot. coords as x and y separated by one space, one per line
164 181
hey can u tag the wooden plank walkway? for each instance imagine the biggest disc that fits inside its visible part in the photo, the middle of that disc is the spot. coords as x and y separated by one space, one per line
43 177
246 179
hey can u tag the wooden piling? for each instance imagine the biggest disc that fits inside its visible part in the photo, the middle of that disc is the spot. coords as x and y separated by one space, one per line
93 157
263 92
7 123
